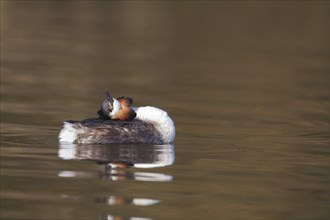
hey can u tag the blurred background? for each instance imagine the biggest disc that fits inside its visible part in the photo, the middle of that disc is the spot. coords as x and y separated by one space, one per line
246 83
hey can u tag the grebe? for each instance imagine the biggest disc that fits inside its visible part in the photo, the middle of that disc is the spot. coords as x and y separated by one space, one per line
120 122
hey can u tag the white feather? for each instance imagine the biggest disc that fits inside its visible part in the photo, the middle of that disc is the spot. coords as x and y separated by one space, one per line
160 119
68 133
116 108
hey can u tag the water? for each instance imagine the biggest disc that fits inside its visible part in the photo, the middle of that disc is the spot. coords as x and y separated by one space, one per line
247 84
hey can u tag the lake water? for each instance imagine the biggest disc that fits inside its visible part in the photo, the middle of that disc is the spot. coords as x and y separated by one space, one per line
246 83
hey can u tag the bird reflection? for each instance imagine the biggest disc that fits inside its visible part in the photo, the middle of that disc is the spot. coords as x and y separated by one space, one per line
117 217
118 200
115 160
120 156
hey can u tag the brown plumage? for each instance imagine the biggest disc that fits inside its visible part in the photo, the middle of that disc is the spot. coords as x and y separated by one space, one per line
125 101
125 114
95 130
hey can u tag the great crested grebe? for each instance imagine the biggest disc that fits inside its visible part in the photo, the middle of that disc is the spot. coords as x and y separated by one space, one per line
120 122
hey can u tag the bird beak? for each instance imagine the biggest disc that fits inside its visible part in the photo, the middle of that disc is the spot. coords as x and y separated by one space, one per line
108 96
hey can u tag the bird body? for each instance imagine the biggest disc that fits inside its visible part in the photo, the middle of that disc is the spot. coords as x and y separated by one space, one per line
119 122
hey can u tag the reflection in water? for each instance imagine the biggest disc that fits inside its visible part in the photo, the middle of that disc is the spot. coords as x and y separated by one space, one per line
119 156
118 200
116 217
115 175
140 156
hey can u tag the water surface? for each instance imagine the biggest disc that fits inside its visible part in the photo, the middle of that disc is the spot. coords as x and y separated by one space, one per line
247 84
